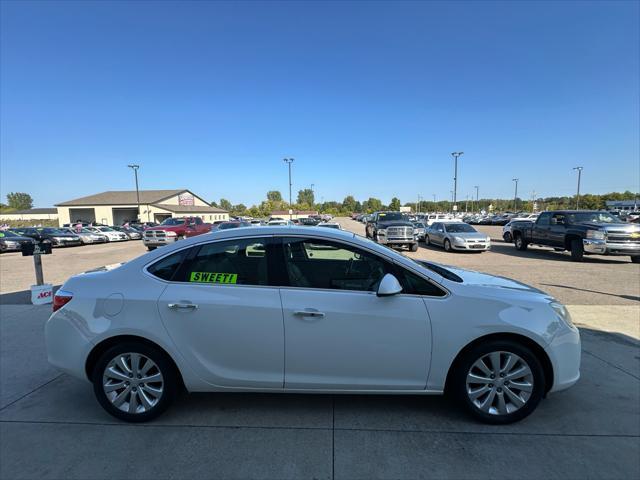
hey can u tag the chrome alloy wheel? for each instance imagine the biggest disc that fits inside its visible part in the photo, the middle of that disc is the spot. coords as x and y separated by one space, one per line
499 383
133 383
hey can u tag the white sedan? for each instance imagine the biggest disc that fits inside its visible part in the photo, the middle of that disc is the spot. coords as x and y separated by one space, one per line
111 234
308 310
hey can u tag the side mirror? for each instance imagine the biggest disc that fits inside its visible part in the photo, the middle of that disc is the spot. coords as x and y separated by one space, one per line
389 285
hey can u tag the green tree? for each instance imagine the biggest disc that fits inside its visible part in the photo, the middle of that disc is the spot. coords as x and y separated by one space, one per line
349 204
240 209
372 205
395 204
225 204
306 197
274 196
214 204
19 200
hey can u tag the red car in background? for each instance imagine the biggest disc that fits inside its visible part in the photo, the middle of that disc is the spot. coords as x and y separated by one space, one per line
172 230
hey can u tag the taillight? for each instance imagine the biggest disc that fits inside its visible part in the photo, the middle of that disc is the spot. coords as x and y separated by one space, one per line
60 299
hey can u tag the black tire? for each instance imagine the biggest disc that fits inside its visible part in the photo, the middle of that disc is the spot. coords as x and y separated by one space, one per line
426 240
180 237
577 250
519 242
507 237
447 245
413 247
166 367
635 259
457 384
151 248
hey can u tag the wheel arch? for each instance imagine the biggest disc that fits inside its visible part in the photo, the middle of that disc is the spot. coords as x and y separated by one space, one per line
107 343
535 347
570 237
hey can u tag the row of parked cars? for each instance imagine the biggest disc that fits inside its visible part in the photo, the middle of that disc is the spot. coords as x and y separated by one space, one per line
14 239
397 229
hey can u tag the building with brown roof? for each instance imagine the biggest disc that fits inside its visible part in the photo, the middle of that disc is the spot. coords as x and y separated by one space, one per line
118 207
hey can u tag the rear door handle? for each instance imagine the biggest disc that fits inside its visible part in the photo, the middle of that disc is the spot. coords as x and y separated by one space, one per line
182 306
308 312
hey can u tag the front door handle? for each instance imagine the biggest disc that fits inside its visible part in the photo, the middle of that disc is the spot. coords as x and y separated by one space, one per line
182 306
308 312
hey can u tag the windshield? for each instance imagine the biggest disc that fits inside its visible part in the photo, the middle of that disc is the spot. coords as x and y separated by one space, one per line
459 228
86 230
592 217
7 233
173 221
392 217
418 224
53 231
226 226
105 229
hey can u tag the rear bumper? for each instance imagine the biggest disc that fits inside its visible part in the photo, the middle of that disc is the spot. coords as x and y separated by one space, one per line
601 247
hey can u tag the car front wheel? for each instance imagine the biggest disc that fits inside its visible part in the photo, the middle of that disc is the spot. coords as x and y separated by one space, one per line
413 247
447 245
134 382
499 382
507 237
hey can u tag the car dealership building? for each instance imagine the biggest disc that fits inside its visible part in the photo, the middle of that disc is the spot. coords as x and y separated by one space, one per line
118 207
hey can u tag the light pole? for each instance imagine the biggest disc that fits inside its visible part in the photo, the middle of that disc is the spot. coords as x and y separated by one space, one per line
477 197
455 156
452 197
515 196
135 168
418 206
579 169
289 161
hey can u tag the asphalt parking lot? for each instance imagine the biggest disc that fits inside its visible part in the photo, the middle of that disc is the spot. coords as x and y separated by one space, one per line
51 426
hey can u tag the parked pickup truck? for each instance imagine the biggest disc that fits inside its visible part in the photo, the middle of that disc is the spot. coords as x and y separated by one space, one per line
393 229
581 232
172 230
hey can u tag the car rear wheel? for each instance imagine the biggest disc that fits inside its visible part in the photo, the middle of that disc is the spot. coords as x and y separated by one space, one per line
577 250
135 382
507 237
499 382
447 245
520 243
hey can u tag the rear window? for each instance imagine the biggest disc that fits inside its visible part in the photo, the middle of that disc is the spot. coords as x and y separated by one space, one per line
168 266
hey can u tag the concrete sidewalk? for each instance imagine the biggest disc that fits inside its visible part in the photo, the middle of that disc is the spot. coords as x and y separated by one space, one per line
51 427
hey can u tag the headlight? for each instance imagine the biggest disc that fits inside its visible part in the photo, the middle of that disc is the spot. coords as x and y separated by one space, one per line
171 234
458 239
562 313
9 243
382 232
596 234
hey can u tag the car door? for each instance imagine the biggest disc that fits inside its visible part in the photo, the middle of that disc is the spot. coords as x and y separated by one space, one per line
223 315
540 229
438 233
339 335
557 230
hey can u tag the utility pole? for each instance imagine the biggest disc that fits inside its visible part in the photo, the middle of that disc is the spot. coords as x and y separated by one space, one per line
579 169
135 168
418 204
452 197
533 201
466 205
515 196
477 197
289 161
455 156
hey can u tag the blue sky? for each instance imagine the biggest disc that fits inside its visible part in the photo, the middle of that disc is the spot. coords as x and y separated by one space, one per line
369 98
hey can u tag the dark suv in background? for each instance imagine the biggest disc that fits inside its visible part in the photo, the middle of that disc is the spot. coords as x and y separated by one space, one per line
393 229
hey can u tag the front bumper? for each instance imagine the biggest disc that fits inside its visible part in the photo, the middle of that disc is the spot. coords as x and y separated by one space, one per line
66 243
564 351
384 240
10 248
471 247
158 242
602 247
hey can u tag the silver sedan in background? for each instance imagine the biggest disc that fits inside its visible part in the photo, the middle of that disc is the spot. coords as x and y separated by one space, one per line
457 236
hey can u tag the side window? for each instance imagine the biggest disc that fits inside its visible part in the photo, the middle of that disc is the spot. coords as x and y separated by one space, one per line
168 266
198 221
312 263
544 218
238 262
416 285
558 219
